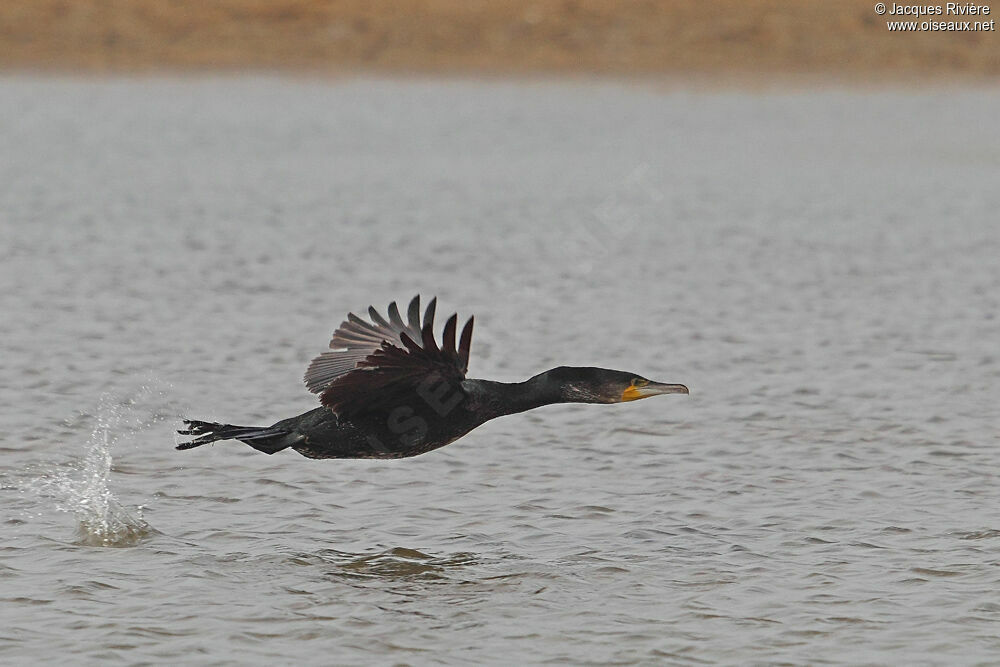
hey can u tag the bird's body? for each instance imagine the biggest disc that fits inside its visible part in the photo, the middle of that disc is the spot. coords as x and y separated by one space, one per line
388 391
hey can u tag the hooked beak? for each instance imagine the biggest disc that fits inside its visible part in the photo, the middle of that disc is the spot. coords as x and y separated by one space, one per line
653 389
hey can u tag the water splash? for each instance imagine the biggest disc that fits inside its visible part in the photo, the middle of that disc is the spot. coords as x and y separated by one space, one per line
81 487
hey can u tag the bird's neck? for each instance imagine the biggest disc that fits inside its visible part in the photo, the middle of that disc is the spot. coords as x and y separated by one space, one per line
495 399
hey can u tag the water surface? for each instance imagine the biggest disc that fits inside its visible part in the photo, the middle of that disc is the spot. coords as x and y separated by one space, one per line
819 267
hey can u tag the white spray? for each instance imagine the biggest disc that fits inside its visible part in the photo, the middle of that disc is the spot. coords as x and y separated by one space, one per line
82 486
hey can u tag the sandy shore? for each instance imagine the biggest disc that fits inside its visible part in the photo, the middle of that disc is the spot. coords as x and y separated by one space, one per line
709 37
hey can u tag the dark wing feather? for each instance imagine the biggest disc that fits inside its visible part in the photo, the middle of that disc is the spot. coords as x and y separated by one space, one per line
465 345
374 364
354 340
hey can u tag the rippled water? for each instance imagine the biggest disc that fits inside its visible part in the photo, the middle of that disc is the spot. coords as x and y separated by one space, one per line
820 267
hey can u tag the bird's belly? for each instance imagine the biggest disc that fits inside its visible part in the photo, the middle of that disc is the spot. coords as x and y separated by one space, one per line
380 437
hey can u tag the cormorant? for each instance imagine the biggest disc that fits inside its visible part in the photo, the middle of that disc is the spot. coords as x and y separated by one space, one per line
389 391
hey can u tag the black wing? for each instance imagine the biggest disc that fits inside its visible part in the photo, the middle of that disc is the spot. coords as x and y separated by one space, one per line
378 363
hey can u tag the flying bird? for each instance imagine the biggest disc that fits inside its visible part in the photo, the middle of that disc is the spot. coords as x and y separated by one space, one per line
388 391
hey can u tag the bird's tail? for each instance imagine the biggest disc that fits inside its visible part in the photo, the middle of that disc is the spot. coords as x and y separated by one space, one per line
267 439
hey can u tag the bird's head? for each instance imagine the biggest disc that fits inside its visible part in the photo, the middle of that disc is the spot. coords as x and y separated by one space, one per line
600 385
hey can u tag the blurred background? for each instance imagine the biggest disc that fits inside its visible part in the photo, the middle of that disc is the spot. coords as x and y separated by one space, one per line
727 38
779 203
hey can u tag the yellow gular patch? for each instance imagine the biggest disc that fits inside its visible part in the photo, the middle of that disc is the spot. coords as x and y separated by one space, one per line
631 394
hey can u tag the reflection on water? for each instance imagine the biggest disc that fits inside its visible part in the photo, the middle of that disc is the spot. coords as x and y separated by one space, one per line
395 563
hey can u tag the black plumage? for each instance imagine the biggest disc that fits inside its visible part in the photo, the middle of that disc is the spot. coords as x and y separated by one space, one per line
388 390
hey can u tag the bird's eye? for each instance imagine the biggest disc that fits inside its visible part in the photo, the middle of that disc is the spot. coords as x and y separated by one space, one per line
639 382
